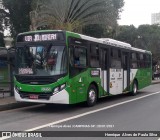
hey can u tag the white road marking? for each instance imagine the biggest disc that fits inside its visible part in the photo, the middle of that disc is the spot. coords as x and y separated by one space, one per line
90 112
84 114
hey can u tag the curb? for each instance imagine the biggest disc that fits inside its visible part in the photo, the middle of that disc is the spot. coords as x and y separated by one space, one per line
156 82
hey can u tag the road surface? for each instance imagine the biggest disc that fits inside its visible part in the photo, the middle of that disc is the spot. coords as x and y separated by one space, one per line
118 113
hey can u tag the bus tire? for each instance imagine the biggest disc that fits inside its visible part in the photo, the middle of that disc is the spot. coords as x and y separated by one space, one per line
134 88
91 96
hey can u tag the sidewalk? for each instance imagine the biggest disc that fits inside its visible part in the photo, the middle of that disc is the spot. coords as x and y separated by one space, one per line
8 103
156 81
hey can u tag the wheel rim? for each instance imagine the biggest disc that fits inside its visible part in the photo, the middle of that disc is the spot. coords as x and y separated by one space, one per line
92 96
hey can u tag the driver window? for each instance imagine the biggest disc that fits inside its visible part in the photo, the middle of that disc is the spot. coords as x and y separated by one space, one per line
78 56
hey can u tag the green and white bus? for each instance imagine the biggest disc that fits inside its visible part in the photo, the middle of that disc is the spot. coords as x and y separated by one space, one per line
55 66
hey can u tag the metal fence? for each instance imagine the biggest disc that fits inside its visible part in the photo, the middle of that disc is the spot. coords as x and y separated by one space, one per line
5 89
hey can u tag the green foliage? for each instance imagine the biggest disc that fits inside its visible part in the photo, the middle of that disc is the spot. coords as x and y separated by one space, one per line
94 30
18 15
127 34
144 37
74 15
149 37
99 31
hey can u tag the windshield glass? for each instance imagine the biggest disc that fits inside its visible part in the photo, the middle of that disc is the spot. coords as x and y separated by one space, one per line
41 60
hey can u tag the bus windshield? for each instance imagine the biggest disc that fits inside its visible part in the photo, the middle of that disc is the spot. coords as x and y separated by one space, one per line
41 60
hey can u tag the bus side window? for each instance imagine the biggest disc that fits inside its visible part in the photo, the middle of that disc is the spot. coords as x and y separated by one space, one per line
71 55
94 57
148 61
78 56
116 59
142 62
78 60
133 60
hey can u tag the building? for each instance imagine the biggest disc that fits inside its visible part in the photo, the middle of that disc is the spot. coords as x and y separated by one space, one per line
155 18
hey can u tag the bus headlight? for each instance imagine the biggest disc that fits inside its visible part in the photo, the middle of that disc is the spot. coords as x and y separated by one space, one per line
63 86
56 90
59 88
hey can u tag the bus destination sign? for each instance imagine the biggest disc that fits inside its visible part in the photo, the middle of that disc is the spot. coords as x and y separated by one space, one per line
40 37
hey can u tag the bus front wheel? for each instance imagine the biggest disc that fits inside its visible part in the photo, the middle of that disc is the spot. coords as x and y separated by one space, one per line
91 96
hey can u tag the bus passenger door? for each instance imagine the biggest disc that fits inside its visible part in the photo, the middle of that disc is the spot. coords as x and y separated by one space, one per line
126 71
78 72
116 72
104 73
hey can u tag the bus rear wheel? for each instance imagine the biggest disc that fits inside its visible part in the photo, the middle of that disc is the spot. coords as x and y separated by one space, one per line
134 88
91 96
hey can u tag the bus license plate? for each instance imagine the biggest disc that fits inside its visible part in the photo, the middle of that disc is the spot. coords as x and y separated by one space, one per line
33 96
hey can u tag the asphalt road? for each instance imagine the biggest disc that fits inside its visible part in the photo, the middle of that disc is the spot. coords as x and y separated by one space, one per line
118 113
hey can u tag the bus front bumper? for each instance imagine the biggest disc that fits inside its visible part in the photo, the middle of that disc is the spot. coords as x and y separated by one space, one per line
61 97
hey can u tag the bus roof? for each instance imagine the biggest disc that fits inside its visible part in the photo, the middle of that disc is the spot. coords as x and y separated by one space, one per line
140 50
107 41
85 37
116 43
121 44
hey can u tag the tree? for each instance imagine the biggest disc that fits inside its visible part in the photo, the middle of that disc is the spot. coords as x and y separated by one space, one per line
149 37
94 30
2 40
17 12
2 16
74 15
127 34
145 37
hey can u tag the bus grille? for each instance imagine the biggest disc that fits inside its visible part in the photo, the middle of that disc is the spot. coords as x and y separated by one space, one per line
26 95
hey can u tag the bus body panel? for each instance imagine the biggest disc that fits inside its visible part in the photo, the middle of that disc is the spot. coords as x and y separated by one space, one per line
79 86
143 76
133 74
